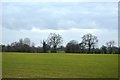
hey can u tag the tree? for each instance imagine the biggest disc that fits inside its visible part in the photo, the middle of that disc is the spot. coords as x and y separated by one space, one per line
72 47
3 48
45 46
33 44
104 49
97 51
118 50
110 44
115 50
33 49
82 47
27 41
61 49
54 40
89 41
21 46
119 45
21 41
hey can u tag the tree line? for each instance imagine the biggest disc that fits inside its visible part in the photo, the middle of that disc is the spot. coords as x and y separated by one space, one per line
53 44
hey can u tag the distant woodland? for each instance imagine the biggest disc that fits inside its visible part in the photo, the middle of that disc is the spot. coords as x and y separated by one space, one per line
53 44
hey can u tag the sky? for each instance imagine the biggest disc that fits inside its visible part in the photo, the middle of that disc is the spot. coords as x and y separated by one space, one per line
71 20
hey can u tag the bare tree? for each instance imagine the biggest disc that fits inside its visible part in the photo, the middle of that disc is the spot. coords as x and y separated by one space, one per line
110 44
33 44
27 41
45 46
21 41
54 40
89 41
82 47
104 49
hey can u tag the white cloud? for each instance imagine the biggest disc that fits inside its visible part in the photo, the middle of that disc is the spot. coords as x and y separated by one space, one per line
59 15
71 20
36 35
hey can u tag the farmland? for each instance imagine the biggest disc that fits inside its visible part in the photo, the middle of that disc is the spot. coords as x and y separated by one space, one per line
59 65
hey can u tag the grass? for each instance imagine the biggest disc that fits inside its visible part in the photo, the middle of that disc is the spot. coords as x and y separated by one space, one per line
46 65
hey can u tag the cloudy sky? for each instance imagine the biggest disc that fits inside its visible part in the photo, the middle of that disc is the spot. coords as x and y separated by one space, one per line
69 19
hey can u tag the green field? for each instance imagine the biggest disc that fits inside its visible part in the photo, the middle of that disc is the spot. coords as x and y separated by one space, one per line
47 65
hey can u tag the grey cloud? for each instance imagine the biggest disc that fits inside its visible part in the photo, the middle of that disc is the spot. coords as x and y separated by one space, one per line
59 15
